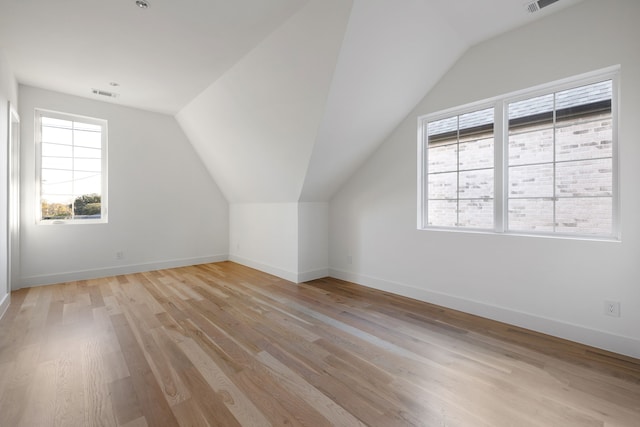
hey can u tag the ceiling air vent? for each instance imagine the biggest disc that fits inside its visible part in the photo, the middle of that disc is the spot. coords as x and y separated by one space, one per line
539 4
104 93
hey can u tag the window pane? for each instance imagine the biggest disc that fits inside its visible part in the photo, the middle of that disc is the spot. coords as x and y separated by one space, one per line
531 215
442 213
476 184
87 183
585 138
443 158
443 185
90 165
530 145
49 121
476 213
537 109
476 119
89 153
71 168
477 153
55 150
438 127
461 153
56 135
87 139
531 181
57 182
570 101
584 178
585 215
87 126
55 208
57 163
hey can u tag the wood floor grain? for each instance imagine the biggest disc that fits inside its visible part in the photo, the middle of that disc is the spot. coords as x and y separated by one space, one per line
224 345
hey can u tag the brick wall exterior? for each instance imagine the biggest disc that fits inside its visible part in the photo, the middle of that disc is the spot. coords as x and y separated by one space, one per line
583 178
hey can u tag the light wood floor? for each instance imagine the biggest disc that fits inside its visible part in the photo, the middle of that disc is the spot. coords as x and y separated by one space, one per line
224 345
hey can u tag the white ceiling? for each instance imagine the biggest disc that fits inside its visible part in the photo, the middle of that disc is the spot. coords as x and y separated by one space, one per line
282 99
162 56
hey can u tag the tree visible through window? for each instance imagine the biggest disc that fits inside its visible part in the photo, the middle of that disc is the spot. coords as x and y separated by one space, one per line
72 168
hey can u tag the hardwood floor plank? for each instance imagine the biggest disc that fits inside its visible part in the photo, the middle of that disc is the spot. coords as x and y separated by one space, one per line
125 400
150 397
224 345
332 411
14 397
189 414
239 405
70 390
97 397
41 398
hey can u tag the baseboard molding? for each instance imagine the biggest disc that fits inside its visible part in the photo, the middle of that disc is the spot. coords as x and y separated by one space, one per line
592 337
4 304
266 268
49 279
312 275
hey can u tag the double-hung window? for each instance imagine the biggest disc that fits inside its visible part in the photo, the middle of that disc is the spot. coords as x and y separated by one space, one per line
542 161
71 159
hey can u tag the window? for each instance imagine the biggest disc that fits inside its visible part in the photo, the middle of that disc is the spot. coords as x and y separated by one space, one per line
71 153
543 161
460 170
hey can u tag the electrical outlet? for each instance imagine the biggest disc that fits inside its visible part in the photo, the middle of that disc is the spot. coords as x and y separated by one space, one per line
349 259
120 255
612 308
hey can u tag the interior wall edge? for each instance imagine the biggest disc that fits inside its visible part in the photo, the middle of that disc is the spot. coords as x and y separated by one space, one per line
306 276
592 337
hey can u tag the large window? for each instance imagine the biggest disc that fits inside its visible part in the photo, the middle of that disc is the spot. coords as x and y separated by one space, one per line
71 168
542 161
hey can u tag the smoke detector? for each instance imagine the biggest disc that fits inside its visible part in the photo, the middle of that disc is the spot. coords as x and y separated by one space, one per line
535 6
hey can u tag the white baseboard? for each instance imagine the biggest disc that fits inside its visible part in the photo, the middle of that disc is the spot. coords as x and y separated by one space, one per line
4 304
312 275
48 279
266 268
616 343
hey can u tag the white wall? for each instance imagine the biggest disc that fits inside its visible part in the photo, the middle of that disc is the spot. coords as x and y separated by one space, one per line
313 241
265 236
8 93
288 240
164 208
557 286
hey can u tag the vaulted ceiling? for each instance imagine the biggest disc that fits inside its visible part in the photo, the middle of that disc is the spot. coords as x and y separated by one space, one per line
282 99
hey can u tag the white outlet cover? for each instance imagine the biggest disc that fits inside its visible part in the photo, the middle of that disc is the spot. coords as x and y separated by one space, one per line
612 308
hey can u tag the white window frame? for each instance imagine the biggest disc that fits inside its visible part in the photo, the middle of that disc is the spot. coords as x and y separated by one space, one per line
501 155
39 113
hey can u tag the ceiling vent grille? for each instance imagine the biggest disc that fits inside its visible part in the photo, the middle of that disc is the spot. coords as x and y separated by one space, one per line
104 93
535 6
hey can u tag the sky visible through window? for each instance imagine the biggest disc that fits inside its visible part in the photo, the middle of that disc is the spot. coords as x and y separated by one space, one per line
71 162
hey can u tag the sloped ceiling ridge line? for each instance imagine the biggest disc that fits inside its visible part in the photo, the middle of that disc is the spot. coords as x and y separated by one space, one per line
255 127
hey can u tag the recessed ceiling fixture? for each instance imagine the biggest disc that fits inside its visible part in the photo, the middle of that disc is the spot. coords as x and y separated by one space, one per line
142 4
114 84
